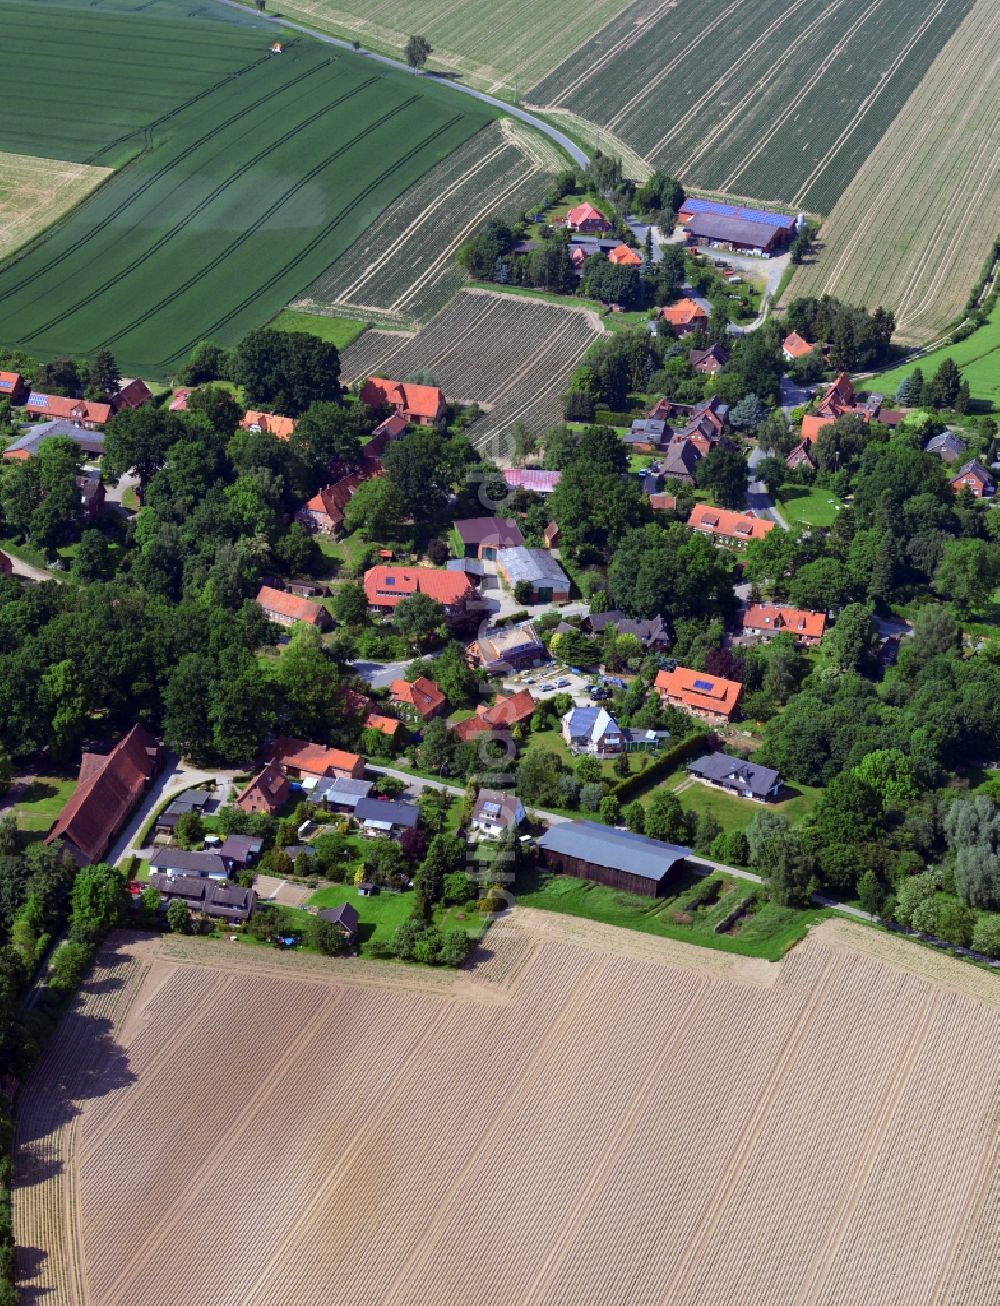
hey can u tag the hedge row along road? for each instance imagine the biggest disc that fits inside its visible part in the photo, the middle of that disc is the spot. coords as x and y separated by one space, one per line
242 187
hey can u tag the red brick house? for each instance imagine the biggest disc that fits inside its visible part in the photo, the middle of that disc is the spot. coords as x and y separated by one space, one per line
974 477
584 217
267 792
422 405
81 412
133 394
727 527
305 760
417 700
269 423
505 713
13 387
286 609
703 695
625 257
765 620
685 316
324 512
800 457
709 361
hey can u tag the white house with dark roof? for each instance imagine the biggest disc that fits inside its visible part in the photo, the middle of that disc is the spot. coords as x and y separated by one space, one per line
496 812
735 776
592 730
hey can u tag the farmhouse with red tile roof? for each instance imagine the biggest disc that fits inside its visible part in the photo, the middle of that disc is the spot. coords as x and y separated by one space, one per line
727 527
106 794
269 423
286 609
13 387
421 404
768 619
685 316
418 700
699 693
794 346
584 217
324 512
267 792
302 758
974 477
625 257
387 586
81 412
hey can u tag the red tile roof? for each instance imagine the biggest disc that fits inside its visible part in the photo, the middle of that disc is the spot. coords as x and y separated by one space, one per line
424 401
421 694
273 423
289 605
625 256
388 725
387 586
798 621
795 346
179 402
108 789
268 791
684 313
503 714
133 395
812 425
700 691
315 759
68 410
663 502
727 524
584 213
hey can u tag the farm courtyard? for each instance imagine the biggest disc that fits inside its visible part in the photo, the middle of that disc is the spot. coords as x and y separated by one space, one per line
344 1132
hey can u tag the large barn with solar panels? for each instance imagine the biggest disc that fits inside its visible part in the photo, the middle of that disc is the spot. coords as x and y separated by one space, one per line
734 227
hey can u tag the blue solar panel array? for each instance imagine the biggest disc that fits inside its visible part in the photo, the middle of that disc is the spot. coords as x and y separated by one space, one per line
706 685
692 205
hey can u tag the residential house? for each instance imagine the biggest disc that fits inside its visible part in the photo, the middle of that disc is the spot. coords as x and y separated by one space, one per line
624 256
179 401
178 861
131 394
647 435
92 494
286 609
386 818
388 586
685 316
268 424
812 426
800 457
551 535
549 583
655 633
727 527
79 412
420 405
371 718
765 620
482 537
228 902
577 258
535 479
241 850
496 812
345 917
386 433
663 502
681 462
13 387
267 792
584 217
794 346
617 858
502 714
324 513
508 648
948 446
709 361
337 795
732 774
974 477
417 701
90 443
592 730
107 793
710 697
309 762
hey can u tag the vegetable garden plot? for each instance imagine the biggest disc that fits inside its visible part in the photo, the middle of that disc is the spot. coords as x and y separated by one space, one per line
735 1130
782 101
512 353
252 188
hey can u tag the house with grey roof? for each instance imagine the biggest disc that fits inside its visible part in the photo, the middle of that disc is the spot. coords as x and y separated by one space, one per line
345 917
90 443
178 861
213 898
592 730
383 817
495 812
617 858
549 583
335 794
681 462
735 776
948 446
483 537
655 634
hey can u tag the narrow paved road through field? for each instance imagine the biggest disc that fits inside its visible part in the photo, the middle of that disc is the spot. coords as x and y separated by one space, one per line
553 133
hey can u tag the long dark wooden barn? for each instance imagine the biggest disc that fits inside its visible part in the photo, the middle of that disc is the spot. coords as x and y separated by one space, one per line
617 858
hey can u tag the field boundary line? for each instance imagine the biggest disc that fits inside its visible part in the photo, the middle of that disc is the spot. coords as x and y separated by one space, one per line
631 36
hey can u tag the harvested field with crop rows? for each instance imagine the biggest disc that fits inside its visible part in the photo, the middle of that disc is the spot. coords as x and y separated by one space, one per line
34 192
780 101
495 46
260 180
913 227
645 1121
403 268
513 353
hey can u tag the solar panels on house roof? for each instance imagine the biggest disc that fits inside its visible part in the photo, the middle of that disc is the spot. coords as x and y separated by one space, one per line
692 205
706 685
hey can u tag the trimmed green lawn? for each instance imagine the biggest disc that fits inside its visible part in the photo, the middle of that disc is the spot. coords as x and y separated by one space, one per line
339 331
769 933
810 505
734 813
978 358
380 916
42 802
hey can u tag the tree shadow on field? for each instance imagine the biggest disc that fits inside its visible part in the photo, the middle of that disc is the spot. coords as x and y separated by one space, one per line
28 1262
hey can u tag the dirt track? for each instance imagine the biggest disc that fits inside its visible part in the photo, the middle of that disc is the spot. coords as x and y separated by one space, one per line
586 1116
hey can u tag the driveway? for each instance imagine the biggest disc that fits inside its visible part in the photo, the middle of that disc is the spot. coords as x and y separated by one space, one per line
173 778
30 572
758 499
380 675
792 396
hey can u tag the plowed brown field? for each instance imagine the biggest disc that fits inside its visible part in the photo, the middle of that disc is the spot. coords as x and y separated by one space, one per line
586 1116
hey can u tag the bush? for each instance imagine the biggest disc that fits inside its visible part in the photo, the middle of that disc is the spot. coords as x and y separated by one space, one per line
590 796
69 965
662 765
986 935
